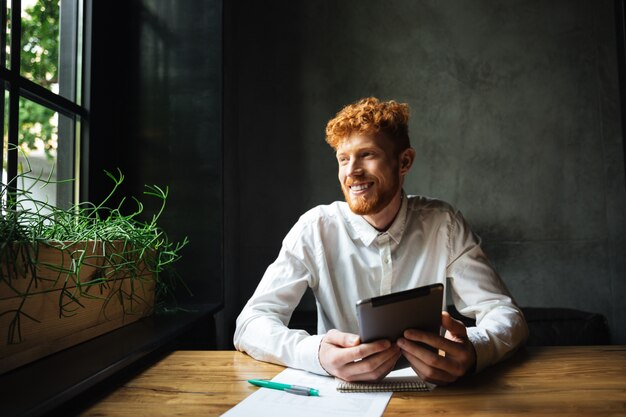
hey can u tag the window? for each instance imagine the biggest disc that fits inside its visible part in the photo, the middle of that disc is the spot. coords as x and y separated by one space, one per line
44 116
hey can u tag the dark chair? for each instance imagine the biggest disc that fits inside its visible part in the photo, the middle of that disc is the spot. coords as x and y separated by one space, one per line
548 326
558 326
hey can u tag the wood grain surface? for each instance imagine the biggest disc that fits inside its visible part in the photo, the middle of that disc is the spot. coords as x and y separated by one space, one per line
547 381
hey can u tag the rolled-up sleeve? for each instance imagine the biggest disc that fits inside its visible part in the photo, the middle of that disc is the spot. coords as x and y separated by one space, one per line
261 328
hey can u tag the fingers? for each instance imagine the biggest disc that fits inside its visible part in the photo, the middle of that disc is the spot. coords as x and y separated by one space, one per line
338 338
430 370
455 350
373 367
433 340
430 365
452 344
337 357
353 350
454 328
458 352
342 354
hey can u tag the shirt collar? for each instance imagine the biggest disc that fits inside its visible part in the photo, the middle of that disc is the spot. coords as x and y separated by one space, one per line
367 233
399 223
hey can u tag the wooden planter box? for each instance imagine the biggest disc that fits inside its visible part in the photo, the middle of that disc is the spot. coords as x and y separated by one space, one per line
67 296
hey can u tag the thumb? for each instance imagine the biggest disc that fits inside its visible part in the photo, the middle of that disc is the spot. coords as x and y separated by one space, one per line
342 339
454 328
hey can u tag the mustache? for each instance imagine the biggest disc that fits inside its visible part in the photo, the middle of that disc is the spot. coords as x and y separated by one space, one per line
350 181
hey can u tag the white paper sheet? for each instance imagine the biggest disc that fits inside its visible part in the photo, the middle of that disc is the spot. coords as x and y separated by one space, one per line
266 402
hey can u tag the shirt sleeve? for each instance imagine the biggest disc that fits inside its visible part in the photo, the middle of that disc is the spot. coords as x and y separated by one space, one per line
261 328
479 293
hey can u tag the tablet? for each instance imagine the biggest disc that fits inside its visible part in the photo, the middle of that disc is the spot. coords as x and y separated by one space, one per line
388 316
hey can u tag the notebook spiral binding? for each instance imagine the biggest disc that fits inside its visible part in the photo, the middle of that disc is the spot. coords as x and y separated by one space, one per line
396 386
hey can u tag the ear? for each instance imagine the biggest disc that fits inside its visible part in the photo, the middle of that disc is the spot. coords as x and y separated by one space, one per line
407 157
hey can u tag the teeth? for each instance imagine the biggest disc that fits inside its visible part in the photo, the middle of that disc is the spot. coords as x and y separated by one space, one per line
359 187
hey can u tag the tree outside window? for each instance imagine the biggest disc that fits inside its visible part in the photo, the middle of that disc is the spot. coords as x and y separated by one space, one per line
39 63
43 88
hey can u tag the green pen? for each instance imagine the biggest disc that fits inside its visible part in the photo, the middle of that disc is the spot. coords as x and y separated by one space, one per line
293 389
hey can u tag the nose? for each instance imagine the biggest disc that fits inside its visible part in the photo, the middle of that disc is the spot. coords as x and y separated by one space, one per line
354 167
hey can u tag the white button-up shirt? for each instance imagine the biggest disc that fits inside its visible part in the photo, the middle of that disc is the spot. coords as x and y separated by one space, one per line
343 259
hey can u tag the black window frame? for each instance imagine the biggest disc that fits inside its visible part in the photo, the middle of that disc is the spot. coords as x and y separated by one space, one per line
72 152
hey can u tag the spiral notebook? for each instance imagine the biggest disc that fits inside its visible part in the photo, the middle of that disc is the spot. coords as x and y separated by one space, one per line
400 380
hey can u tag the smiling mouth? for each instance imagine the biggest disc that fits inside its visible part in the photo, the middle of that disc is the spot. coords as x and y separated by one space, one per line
360 187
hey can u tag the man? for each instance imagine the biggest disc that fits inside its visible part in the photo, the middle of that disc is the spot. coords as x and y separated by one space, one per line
379 241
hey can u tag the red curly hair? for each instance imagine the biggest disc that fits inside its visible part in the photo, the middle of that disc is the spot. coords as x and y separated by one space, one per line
369 116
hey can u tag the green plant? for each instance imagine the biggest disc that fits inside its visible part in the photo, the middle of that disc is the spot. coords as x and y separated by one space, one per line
103 240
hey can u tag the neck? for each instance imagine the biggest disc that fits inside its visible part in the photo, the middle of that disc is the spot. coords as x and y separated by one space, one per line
382 220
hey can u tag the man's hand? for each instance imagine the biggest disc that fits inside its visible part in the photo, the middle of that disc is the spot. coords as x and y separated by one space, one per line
344 356
460 355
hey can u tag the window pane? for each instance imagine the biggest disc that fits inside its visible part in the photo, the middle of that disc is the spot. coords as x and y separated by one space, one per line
38 139
46 139
5 138
5 32
39 61
43 154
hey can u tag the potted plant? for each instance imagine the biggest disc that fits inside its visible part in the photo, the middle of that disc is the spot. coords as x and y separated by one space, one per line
67 275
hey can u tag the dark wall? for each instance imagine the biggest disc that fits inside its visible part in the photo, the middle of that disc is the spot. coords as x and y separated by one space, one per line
515 119
156 113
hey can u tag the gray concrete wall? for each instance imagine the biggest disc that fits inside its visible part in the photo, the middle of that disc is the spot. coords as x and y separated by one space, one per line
515 119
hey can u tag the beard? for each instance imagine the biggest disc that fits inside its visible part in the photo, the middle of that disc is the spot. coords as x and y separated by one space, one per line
375 200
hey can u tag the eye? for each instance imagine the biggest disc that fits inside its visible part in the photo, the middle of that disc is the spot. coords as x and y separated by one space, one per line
342 159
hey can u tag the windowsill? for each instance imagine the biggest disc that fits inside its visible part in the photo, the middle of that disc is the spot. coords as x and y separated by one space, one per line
45 384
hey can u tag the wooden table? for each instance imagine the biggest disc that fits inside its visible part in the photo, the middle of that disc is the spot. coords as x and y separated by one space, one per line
548 381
